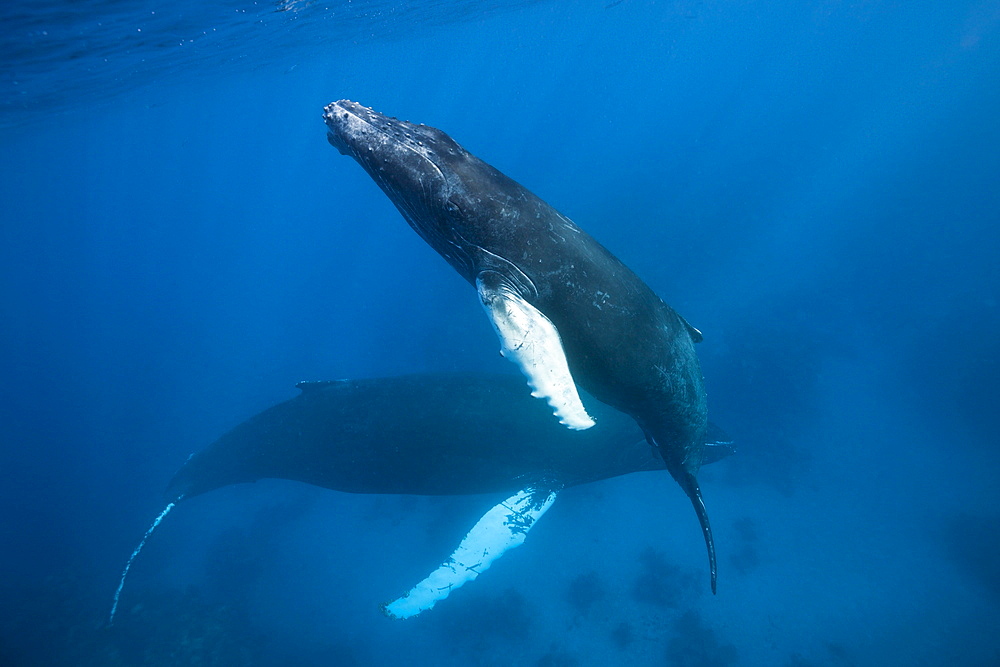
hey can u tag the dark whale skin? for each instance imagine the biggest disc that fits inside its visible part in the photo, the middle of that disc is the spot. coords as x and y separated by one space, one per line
417 434
623 344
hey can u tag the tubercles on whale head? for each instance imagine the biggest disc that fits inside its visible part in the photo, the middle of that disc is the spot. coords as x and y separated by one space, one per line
345 125
419 167
365 134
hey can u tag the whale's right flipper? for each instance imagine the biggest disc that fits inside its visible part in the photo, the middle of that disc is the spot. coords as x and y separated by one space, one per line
531 341
503 527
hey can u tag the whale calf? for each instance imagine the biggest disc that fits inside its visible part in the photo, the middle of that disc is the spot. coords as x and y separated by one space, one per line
569 313
425 435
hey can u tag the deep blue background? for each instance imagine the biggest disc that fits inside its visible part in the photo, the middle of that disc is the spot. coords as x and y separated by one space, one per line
814 185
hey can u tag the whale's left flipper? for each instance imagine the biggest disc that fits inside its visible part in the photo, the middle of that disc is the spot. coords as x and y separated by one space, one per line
503 527
532 342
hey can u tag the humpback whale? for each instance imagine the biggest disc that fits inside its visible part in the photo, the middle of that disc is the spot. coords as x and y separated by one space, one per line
568 312
425 435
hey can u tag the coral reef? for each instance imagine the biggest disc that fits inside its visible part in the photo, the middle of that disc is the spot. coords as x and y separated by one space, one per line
584 591
660 583
695 645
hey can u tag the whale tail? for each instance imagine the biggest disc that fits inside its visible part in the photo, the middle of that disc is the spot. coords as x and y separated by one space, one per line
721 446
689 483
131 559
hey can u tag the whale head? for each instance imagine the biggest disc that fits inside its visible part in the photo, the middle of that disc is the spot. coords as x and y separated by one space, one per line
441 189
371 137
414 164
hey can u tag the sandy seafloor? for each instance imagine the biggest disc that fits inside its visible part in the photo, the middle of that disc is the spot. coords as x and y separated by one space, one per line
811 184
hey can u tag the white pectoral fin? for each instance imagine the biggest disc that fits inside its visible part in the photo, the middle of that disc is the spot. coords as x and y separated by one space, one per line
531 341
503 527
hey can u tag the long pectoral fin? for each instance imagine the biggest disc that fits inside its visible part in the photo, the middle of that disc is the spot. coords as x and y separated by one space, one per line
531 341
503 527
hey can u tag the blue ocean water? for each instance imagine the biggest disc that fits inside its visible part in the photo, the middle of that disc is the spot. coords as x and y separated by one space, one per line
814 185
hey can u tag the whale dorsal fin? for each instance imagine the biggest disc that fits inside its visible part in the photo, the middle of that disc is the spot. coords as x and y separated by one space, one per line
503 527
718 445
532 342
695 333
310 385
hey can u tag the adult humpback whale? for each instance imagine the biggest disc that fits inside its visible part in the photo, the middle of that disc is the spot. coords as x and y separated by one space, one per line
426 435
566 310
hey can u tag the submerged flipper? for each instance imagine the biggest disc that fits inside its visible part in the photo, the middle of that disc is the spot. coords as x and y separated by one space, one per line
128 565
503 527
531 341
